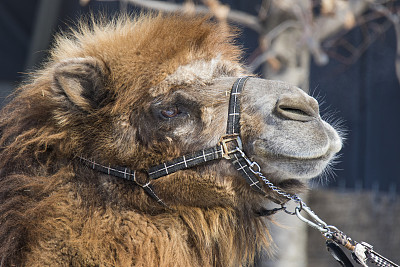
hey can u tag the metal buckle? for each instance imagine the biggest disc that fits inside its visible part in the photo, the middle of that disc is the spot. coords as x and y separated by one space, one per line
224 143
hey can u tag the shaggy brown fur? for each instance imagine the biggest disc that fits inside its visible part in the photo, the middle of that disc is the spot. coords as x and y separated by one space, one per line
102 94
55 212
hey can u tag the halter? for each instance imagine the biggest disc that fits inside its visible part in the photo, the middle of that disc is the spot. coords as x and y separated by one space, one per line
230 148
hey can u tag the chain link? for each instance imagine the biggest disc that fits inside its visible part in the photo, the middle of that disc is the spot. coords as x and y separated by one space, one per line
256 169
330 232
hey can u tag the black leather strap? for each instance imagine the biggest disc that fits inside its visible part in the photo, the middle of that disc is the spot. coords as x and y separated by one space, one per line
338 254
116 171
226 148
122 172
233 127
233 124
244 169
185 162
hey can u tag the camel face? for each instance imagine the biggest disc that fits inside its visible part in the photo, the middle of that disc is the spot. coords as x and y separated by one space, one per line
141 117
187 111
280 124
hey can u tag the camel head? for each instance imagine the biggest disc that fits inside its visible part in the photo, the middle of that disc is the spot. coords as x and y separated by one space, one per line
137 93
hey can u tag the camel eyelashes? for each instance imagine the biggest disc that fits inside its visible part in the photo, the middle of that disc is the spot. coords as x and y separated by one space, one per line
176 107
170 112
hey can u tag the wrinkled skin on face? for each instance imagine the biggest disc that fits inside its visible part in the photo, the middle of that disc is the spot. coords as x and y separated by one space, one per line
294 142
281 128
280 124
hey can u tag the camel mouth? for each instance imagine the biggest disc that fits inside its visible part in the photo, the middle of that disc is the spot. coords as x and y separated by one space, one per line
283 164
267 149
288 169
307 155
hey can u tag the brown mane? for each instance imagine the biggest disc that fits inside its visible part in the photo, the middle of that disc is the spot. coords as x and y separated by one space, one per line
56 212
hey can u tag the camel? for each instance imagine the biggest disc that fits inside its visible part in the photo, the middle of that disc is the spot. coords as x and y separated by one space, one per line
116 98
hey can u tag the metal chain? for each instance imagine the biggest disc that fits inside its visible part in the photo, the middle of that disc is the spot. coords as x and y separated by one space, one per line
256 169
361 252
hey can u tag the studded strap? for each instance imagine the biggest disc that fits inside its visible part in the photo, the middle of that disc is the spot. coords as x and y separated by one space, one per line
185 162
233 124
199 157
122 172
244 169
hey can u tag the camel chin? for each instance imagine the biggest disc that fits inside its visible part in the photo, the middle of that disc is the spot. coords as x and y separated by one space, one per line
293 162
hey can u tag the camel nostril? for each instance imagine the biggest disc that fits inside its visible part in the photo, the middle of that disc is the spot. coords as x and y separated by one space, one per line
294 110
298 109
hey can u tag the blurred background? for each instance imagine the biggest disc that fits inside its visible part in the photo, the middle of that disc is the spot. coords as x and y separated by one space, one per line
346 53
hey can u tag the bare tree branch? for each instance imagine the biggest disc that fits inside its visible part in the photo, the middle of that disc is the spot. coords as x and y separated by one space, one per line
234 16
394 18
326 26
275 32
289 16
261 59
348 53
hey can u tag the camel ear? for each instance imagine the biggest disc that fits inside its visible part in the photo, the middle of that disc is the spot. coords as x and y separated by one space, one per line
80 82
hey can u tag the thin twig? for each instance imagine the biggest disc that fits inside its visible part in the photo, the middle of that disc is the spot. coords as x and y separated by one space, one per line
275 32
234 16
260 59
328 26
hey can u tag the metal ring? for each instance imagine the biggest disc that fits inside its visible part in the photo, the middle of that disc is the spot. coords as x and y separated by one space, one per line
287 211
145 183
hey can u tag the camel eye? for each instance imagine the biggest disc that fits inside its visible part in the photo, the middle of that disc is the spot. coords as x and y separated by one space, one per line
170 112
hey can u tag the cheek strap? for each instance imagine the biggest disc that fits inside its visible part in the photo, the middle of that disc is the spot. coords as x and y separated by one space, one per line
229 147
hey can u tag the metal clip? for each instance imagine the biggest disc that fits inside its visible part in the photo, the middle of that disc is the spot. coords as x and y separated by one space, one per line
253 166
318 224
223 142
